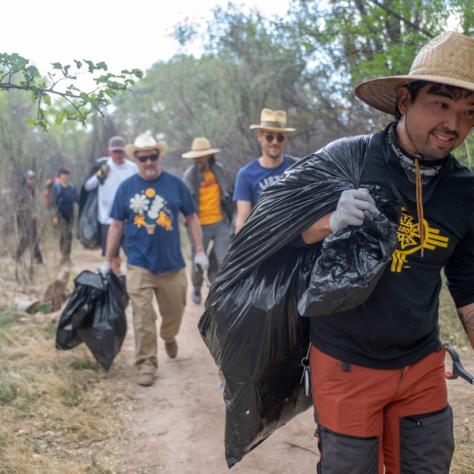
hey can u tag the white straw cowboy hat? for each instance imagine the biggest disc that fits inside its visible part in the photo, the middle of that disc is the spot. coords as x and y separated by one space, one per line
200 147
446 59
145 141
273 121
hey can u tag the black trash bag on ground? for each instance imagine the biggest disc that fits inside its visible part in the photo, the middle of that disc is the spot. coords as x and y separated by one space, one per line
95 314
251 324
88 224
352 262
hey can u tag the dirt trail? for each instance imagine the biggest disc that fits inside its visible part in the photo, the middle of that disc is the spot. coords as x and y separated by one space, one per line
178 423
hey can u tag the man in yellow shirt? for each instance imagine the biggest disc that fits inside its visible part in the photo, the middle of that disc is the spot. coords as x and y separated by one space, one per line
211 190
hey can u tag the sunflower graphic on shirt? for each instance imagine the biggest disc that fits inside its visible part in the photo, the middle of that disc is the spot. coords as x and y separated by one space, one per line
150 210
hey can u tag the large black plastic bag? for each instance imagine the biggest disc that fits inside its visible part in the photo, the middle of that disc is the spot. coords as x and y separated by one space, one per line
262 384
88 224
95 314
251 324
351 263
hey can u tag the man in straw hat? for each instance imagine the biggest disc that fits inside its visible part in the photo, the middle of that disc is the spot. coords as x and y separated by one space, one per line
378 379
210 188
272 133
145 209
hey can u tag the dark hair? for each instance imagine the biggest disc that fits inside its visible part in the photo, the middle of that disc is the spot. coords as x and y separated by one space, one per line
436 88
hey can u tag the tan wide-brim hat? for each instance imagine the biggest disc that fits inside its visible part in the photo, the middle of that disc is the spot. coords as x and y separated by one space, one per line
273 121
199 148
145 141
446 59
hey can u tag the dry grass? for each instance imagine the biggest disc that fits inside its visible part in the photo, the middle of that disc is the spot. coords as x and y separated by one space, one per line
59 411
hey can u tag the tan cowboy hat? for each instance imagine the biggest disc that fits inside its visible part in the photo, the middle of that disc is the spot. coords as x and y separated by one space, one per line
200 147
145 141
446 59
273 121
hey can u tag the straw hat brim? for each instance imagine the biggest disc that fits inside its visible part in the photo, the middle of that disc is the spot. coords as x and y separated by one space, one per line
382 93
200 153
272 129
131 149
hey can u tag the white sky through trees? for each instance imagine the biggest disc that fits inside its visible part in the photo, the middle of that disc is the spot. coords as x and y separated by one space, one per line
123 33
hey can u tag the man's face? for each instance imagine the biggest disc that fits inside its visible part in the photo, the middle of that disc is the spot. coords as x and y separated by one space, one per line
117 156
202 162
435 123
30 181
148 163
272 144
65 178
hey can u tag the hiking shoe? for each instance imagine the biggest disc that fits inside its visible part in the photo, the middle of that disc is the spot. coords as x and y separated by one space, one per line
171 349
146 379
196 296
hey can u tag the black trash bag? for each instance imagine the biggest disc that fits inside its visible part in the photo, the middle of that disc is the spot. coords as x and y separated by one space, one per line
95 314
87 289
88 224
352 262
260 383
251 324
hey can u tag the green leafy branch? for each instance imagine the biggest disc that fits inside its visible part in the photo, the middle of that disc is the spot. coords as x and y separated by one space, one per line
17 73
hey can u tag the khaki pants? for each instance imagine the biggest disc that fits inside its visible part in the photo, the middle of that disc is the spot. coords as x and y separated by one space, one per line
170 292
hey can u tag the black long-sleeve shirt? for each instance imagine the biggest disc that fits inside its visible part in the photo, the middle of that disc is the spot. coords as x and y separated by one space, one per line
398 324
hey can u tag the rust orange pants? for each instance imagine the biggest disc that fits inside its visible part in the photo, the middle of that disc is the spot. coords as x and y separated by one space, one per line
367 405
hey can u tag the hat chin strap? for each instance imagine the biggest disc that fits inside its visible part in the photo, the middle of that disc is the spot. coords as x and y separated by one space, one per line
419 188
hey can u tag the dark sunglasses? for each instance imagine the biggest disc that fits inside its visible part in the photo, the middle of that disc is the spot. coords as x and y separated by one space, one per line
144 159
279 137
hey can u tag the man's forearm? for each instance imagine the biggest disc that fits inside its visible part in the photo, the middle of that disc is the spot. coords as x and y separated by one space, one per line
318 231
113 239
243 211
466 315
196 232
91 183
239 223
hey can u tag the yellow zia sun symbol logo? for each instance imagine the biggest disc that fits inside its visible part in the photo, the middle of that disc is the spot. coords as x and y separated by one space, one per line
408 235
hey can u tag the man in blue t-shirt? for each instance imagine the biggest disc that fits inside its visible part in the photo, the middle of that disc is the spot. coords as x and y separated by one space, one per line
146 209
254 177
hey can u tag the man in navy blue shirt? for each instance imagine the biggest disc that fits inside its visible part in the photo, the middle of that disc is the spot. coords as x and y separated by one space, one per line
254 177
64 196
146 209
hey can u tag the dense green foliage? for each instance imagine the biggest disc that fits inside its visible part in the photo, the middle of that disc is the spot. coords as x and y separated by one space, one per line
17 73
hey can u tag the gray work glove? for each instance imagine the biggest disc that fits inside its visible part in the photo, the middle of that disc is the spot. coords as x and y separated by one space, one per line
351 207
201 261
104 269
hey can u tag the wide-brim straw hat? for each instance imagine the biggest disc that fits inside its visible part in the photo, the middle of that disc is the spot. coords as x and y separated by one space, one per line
199 148
273 121
446 59
145 141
